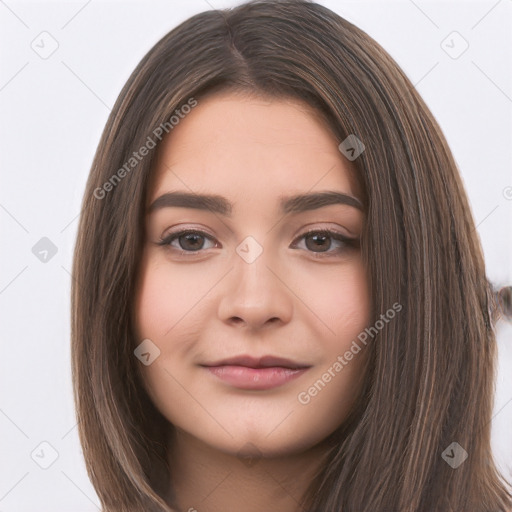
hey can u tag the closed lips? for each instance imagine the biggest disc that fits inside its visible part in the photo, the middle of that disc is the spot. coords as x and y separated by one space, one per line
261 362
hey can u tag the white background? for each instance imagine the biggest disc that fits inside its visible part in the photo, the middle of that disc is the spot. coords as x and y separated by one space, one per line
52 112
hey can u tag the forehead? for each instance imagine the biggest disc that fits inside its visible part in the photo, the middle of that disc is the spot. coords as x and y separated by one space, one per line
246 146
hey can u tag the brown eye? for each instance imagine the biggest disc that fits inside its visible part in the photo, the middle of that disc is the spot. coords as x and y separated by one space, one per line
191 241
321 241
326 241
188 241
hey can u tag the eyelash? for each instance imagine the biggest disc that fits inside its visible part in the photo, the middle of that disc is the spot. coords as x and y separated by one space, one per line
348 243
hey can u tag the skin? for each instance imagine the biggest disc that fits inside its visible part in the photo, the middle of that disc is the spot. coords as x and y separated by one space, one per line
286 303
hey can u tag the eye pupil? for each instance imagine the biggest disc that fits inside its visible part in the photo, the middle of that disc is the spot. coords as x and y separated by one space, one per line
323 245
192 239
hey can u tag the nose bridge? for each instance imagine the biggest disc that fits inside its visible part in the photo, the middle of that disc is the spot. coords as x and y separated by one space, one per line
254 294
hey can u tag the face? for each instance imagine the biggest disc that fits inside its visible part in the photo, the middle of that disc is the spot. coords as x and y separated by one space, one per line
252 277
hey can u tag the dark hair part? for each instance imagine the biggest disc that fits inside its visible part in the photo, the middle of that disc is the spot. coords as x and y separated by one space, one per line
430 374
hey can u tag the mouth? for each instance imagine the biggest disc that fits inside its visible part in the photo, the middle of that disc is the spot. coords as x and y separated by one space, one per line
247 372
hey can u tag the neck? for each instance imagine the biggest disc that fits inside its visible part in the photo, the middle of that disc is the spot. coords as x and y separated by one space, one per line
204 479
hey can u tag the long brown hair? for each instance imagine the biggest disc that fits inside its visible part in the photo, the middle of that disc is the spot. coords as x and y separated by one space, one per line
430 374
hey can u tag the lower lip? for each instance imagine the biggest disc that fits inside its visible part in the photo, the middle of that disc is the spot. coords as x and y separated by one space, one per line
255 378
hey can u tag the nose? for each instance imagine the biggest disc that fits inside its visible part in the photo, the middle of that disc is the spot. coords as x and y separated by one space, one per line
256 295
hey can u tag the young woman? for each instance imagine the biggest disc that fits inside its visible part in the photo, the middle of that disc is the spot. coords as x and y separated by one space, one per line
279 295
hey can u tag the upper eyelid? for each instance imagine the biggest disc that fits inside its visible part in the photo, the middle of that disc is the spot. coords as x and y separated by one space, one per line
322 230
183 231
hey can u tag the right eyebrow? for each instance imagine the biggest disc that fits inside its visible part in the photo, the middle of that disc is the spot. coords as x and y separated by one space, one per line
214 203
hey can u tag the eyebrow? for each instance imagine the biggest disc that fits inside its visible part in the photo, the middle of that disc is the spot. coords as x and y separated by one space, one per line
288 204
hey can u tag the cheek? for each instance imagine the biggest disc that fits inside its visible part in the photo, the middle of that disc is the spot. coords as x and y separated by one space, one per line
167 312
163 311
339 298
342 303
167 301
172 309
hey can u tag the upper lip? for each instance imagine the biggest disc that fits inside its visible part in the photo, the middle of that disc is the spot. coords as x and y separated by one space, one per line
258 362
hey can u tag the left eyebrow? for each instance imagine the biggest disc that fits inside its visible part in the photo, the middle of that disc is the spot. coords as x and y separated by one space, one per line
288 204
305 202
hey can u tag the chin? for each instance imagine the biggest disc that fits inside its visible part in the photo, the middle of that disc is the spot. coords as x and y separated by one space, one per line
260 440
